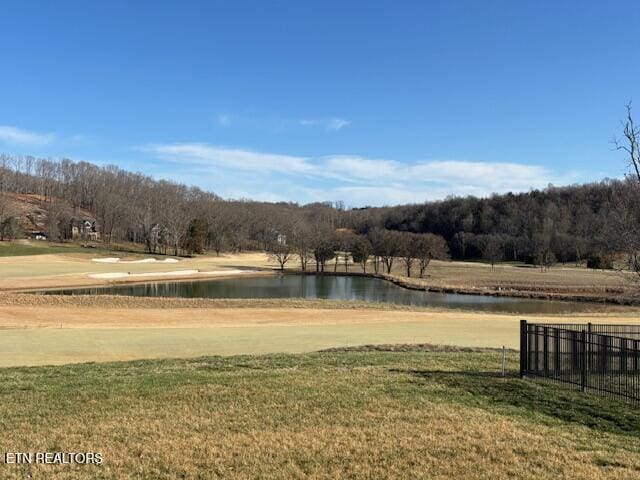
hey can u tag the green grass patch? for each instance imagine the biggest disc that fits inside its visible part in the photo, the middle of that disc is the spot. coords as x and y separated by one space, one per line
19 249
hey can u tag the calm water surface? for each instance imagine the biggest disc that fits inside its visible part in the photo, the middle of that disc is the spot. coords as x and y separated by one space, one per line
330 287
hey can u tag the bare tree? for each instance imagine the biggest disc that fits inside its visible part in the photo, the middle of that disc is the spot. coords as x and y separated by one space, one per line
427 247
344 240
391 245
361 251
408 250
176 218
492 248
323 249
281 253
376 238
302 239
625 217
217 223
58 223
631 144
6 210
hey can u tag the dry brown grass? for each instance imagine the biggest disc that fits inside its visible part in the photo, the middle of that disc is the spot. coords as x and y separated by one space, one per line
348 415
123 301
73 270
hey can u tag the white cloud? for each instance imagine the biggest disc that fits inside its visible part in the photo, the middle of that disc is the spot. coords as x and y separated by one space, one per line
353 168
497 176
20 137
370 195
353 179
500 176
261 120
337 123
232 158
331 124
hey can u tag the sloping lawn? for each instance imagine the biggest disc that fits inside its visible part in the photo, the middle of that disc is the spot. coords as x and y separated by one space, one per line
326 415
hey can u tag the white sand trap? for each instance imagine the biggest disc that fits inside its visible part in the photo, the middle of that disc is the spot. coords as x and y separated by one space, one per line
230 271
106 260
144 260
112 275
152 260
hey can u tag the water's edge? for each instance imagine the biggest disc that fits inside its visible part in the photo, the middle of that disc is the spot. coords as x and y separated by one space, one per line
409 285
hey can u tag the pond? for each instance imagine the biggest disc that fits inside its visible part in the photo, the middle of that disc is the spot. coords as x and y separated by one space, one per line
365 289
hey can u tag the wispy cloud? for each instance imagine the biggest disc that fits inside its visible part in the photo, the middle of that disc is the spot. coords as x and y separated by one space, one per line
19 137
330 124
230 158
262 120
224 119
354 179
497 175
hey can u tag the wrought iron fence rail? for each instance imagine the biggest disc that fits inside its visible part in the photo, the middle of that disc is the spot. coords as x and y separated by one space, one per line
597 358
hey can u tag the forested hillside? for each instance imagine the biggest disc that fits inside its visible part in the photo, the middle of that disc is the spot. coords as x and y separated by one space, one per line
564 223
557 224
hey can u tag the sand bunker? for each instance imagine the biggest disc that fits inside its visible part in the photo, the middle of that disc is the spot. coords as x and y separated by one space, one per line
112 275
145 260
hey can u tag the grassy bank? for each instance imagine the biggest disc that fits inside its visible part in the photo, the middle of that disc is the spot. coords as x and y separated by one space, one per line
27 248
328 415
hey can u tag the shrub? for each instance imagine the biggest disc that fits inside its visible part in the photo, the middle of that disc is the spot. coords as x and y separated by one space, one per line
599 261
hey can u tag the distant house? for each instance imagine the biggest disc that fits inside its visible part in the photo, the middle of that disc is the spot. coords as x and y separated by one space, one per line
281 239
84 229
35 235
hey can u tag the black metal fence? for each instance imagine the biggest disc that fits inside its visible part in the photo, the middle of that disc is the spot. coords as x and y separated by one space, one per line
596 358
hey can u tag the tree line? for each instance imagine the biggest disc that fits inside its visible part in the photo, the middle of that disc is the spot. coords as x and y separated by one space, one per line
378 249
567 224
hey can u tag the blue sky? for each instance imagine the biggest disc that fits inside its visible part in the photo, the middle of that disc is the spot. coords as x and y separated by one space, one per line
366 102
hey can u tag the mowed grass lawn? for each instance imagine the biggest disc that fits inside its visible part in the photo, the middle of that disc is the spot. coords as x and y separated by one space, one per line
438 415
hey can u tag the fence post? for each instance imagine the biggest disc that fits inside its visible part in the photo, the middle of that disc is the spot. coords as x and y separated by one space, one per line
605 353
524 348
556 352
545 350
536 349
583 379
589 347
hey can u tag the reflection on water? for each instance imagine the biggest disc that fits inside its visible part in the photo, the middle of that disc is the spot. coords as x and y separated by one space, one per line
329 287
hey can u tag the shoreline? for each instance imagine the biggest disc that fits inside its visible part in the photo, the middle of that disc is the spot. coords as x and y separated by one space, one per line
13 299
483 291
403 282
598 288
201 276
